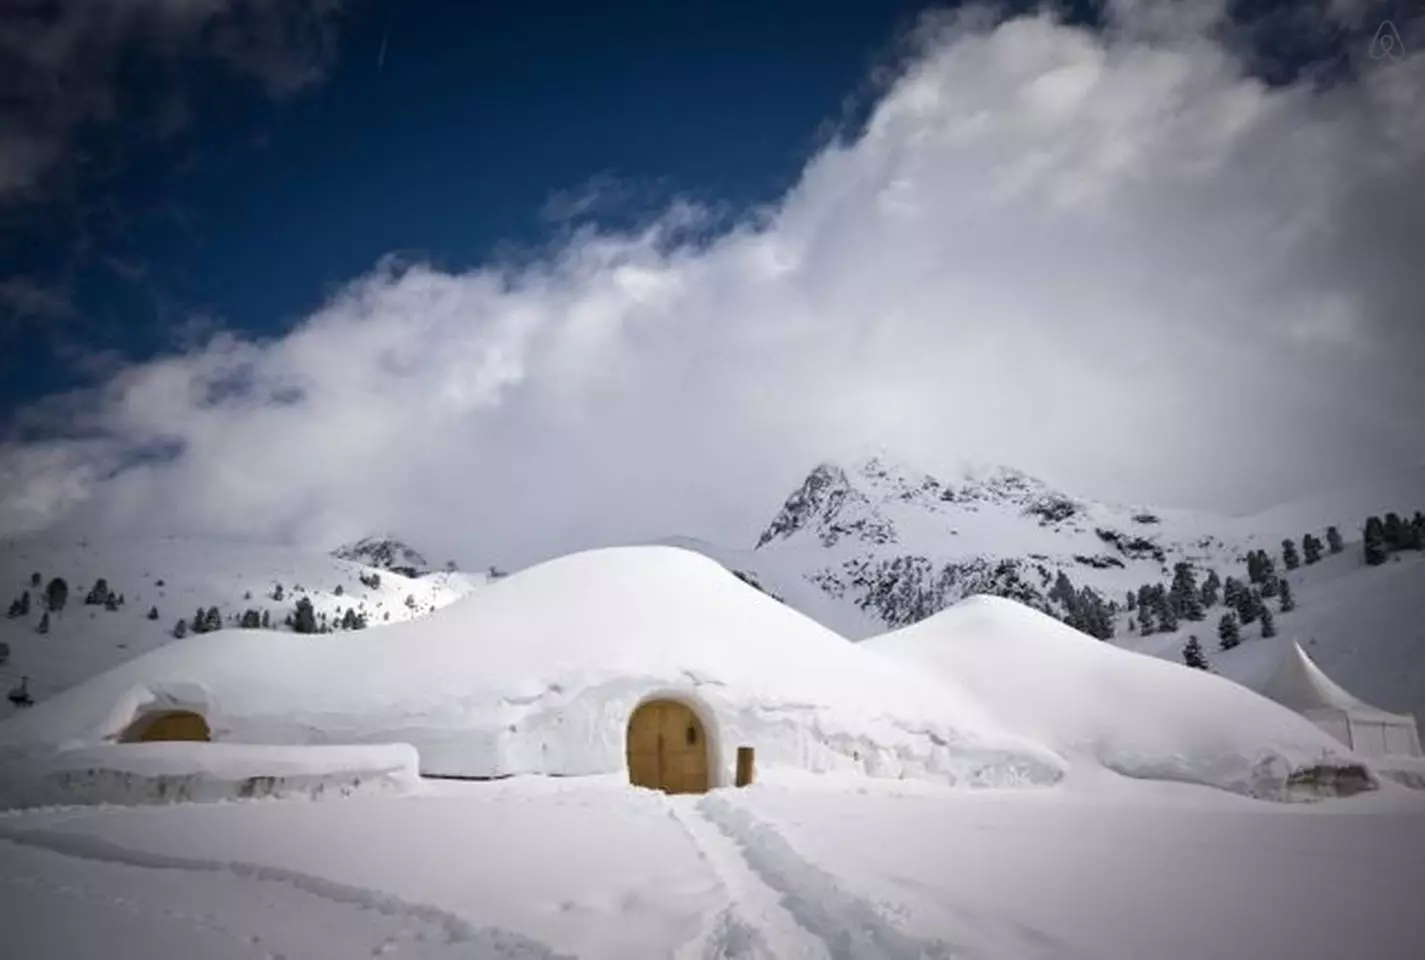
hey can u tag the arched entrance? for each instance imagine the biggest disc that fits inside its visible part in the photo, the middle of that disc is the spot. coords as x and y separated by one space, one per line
667 748
168 725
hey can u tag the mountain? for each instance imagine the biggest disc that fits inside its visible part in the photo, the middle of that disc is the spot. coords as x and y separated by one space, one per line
176 578
879 545
385 553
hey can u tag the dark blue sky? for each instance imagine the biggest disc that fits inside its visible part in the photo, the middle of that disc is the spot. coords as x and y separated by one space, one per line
258 207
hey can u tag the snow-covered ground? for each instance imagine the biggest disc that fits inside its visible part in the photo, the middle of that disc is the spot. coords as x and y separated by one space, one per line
177 577
797 866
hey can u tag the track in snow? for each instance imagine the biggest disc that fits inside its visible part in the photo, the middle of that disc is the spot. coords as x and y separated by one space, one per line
781 906
140 904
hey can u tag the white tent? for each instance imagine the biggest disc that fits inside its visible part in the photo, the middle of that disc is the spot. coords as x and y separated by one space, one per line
1300 685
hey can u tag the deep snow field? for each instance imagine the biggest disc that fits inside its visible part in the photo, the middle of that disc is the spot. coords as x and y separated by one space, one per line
796 866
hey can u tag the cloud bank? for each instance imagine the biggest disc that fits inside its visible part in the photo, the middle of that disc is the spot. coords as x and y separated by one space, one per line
1111 258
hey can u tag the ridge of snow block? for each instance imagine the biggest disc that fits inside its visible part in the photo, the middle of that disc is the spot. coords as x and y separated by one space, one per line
174 772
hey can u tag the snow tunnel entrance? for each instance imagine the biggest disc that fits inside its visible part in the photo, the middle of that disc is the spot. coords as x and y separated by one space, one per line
168 725
668 748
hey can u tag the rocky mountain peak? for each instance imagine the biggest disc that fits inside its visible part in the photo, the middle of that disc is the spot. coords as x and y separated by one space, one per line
385 552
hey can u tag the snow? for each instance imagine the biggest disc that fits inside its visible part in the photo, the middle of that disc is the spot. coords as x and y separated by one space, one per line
796 866
1135 715
540 672
177 772
84 641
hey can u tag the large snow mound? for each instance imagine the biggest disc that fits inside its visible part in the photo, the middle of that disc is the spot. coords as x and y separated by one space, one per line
540 673
178 772
1133 714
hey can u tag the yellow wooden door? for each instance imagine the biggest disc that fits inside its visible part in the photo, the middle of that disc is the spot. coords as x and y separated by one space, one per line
176 725
667 748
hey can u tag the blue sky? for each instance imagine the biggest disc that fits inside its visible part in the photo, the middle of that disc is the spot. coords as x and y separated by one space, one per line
449 147
682 253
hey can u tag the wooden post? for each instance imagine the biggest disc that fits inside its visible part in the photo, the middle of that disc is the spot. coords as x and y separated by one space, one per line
744 766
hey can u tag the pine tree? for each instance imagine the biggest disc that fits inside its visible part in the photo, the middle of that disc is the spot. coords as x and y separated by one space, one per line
251 620
1373 541
304 618
1288 602
1210 588
180 629
1290 558
1132 599
44 623
98 594
111 603
153 613
277 592
1231 592
1269 627
1270 586
340 590
1310 549
199 623
1394 531
35 580
266 622
348 619
1193 655
56 594
1227 632
1249 606
213 620
1167 619
1333 540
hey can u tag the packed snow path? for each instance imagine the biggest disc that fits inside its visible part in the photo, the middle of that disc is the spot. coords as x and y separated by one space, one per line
795 867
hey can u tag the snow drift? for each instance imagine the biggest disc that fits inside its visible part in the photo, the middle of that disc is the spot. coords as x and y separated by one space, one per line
540 673
176 772
1133 714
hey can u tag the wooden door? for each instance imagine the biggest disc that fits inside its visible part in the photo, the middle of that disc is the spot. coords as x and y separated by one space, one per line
174 725
667 748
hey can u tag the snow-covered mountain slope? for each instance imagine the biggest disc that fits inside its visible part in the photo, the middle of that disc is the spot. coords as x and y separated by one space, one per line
1363 625
1135 715
879 545
540 673
177 578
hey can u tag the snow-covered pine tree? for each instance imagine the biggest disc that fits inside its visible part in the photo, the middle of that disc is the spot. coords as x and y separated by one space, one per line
1333 540
1210 587
56 594
1228 634
1231 592
1373 541
1290 558
1269 626
1193 655
1288 602
1310 549
304 618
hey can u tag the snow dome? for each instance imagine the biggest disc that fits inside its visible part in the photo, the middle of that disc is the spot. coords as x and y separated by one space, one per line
546 672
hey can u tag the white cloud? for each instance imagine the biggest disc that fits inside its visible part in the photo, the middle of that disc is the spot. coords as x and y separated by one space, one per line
1112 260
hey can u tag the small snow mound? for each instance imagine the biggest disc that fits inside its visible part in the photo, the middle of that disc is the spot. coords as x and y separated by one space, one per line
1136 715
